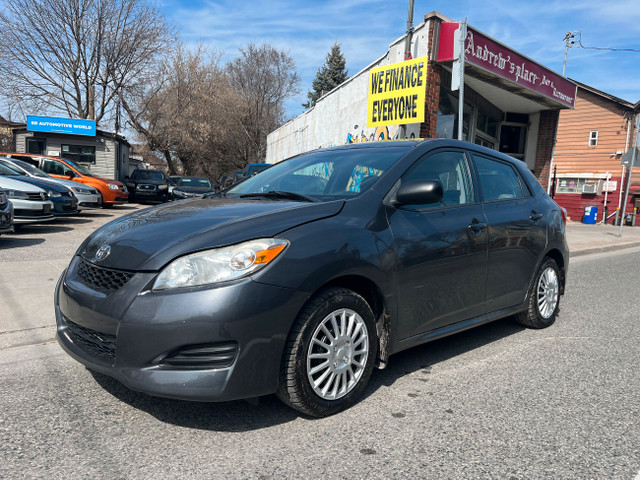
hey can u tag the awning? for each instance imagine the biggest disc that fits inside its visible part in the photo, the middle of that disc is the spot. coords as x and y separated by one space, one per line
508 79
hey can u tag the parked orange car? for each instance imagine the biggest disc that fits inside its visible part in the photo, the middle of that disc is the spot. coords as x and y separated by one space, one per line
112 192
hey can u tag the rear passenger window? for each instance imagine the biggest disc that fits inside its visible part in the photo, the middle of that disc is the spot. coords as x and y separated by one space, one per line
499 180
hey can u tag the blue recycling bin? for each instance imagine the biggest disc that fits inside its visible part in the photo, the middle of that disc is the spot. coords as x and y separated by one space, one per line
590 215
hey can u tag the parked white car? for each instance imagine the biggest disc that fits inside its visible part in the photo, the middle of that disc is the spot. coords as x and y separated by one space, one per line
88 197
30 203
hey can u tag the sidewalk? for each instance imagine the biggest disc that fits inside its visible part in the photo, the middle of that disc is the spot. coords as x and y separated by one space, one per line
584 239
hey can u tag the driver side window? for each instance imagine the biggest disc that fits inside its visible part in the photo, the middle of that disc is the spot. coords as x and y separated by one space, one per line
451 169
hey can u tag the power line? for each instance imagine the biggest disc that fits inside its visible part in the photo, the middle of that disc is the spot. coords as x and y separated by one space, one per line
603 48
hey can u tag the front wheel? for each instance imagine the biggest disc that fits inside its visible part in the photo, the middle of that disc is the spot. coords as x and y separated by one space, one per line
330 353
544 298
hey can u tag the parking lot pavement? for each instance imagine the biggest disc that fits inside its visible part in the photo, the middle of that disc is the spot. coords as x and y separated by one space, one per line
32 261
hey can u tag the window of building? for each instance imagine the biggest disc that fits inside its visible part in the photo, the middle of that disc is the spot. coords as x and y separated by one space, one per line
79 153
36 145
593 138
579 185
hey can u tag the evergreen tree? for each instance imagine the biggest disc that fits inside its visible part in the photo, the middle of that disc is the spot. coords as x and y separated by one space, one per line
329 76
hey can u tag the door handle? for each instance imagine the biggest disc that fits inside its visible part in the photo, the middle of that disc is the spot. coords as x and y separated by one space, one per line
535 215
476 228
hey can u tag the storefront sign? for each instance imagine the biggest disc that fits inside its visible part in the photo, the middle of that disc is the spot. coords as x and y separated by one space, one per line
61 125
483 52
397 93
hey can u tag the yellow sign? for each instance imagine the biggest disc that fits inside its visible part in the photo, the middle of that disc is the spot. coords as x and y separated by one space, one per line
397 93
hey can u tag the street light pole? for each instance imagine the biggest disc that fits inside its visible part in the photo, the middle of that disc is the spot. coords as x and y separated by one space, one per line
568 43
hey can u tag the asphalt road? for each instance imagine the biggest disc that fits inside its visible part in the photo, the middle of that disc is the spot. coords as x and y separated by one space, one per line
499 401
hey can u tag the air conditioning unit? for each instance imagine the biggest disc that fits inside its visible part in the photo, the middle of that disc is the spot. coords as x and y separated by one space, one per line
591 188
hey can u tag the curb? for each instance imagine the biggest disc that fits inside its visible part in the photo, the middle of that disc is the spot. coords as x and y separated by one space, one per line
606 248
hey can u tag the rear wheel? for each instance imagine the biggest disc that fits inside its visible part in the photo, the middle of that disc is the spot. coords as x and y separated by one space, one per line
330 353
544 298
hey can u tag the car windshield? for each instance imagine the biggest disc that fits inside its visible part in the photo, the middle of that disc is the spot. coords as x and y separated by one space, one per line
322 174
80 168
27 167
194 182
7 170
147 175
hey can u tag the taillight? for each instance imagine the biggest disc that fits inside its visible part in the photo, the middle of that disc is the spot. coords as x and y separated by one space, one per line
563 212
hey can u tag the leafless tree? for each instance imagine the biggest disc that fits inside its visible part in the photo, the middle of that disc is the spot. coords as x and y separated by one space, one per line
266 77
190 114
77 56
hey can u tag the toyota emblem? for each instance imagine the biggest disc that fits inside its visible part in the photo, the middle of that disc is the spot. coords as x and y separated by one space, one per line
103 252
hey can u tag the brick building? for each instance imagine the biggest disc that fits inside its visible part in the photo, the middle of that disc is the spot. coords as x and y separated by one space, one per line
511 103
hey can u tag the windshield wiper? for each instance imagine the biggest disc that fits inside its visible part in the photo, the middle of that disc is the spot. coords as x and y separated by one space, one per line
280 194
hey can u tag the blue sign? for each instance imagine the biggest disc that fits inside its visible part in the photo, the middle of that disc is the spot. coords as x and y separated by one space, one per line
61 125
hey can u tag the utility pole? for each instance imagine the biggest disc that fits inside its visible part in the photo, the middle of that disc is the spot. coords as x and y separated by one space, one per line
633 161
568 43
407 52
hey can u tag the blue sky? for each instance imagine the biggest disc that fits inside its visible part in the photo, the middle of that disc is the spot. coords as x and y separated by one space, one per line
364 29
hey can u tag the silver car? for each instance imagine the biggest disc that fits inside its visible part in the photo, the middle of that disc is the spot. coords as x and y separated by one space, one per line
88 197
31 204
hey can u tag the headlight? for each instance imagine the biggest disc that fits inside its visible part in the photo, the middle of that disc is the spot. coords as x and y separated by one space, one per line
53 193
179 193
81 190
16 194
220 264
113 186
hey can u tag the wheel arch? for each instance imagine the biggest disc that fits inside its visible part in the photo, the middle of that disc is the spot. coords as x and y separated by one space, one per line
557 256
372 294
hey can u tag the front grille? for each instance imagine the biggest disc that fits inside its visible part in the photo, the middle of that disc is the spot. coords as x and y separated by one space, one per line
97 344
103 279
213 355
146 187
38 197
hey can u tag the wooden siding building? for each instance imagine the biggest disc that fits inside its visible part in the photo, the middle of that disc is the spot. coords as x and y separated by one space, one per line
590 143
106 154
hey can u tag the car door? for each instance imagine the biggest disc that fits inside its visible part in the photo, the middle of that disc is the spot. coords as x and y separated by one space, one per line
441 249
517 231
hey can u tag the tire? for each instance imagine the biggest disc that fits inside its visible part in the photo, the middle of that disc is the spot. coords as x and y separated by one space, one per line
543 301
329 354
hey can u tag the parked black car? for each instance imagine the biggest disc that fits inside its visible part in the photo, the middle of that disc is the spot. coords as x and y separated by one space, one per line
64 200
6 213
304 277
187 187
146 185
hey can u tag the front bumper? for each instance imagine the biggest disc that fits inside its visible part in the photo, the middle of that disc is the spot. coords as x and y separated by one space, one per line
130 335
6 218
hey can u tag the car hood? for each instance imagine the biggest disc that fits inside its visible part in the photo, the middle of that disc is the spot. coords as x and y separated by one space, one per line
194 189
148 239
147 182
109 180
43 183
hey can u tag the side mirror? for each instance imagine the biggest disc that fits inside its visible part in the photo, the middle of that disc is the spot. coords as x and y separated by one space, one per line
70 174
419 192
126 177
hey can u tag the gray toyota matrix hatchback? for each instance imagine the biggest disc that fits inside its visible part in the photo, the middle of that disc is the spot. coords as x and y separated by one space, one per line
301 279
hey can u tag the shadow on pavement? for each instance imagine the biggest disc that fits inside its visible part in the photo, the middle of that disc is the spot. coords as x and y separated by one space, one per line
234 416
14 241
240 416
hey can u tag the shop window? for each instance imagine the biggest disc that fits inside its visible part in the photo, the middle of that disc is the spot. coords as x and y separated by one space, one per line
579 185
447 126
593 138
79 153
36 146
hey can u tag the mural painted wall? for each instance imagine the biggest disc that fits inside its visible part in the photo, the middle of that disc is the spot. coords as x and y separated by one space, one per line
340 117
